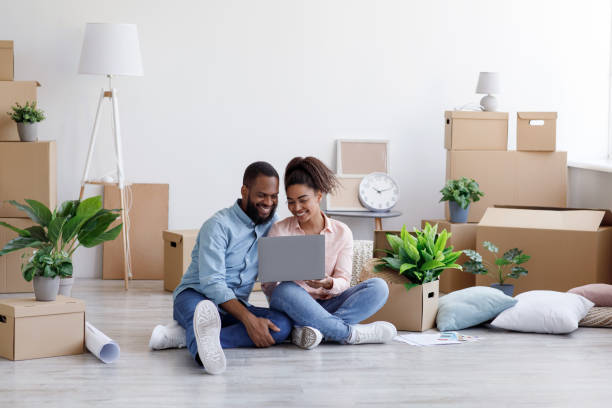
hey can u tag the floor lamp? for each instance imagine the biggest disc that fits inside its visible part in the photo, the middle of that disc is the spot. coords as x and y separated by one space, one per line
110 50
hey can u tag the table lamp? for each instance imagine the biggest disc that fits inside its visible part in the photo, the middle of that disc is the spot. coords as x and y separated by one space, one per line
488 83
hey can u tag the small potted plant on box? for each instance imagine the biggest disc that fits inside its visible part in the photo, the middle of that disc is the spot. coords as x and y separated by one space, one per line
58 234
27 118
459 194
512 259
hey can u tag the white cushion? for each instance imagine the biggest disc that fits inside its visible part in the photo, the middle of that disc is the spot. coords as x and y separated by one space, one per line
544 311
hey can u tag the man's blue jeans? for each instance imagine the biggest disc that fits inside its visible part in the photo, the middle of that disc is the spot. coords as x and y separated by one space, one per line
332 317
233 332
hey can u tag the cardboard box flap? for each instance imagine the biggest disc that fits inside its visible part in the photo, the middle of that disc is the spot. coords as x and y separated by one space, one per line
537 115
31 307
178 235
476 115
555 219
6 44
605 222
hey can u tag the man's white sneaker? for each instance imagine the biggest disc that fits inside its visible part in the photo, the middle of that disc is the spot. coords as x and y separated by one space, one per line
171 335
306 337
207 328
377 332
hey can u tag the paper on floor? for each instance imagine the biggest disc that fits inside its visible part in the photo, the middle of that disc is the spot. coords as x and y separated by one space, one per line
434 339
100 345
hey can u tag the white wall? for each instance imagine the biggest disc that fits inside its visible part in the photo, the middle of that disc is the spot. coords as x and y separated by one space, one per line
228 82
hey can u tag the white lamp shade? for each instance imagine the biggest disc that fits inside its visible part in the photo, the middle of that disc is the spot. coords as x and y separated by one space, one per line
488 83
111 49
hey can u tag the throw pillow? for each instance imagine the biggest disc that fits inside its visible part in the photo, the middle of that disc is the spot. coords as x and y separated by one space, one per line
598 293
544 311
598 317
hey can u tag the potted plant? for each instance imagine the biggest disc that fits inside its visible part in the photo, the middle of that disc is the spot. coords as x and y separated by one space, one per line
58 234
412 269
459 194
511 259
27 118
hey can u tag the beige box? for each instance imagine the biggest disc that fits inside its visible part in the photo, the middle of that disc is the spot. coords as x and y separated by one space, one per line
412 310
11 279
536 131
463 236
467 130
27 170
511 178
148 218
568 247
178 246
31 329
7 61
10 93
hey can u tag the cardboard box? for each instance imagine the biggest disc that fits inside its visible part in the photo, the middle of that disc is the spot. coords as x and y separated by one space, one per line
511 178
536 131
148 218
178 246
11 279
467 130
7 61
463 236
10 93
568 247
412 310
31 329
27 170
380 242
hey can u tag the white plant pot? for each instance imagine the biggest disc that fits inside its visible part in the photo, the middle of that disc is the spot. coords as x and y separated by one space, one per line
45 289
27 131
65 286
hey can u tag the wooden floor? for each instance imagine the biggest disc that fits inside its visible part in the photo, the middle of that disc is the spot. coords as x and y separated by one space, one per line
504 369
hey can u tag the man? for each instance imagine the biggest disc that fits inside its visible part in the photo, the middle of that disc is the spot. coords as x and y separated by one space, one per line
211 302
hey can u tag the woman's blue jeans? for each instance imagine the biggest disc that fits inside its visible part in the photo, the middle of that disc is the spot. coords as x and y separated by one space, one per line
332 317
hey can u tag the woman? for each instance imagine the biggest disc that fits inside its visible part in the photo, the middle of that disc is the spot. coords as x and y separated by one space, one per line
328 308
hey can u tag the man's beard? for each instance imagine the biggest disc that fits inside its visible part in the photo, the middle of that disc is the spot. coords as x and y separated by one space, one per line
253 214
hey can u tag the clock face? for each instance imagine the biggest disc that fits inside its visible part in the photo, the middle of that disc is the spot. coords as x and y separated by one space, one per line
378 192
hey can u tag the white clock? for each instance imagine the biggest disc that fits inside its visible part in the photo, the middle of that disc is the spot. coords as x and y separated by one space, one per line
378 192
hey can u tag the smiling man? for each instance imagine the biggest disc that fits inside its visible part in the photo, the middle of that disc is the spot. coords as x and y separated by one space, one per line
211 302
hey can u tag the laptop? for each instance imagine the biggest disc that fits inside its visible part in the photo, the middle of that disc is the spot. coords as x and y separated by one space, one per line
292 258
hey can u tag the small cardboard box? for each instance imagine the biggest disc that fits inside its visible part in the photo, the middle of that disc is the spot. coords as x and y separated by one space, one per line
466 130
31 329
178 245
511 178
27 170
11 280
412 310
568 247
148 218
10 93
7 61
536 131
463 236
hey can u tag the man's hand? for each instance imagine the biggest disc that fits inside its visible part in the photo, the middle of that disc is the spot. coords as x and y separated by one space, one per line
258 329
325 283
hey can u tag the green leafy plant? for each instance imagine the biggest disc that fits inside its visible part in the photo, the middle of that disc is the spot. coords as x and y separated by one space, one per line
512 259
28 113
420 258
59 233
462 191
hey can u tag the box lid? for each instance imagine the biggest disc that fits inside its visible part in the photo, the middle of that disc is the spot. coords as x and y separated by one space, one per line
24 307
536 115
475 115
6 44
568 219
178 235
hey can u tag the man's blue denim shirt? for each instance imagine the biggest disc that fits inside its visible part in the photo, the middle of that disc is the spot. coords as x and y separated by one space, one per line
224 259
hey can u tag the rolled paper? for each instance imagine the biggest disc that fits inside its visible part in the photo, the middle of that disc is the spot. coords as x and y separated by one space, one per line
100 345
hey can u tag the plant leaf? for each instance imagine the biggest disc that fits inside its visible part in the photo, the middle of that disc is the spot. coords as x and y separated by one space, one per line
474 267
22 233
109 235
393 263
405 267
395 242
38 232
20 243
502 261
409 286
492 248
473 255
55 229
89 207
42 211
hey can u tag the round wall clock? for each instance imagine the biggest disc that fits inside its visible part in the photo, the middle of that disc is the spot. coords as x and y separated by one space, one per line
378 192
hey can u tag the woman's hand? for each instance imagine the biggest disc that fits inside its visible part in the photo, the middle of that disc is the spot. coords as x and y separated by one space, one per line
325 283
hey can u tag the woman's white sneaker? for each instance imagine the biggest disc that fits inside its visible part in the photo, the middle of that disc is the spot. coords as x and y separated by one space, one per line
306 337
207 329
377 332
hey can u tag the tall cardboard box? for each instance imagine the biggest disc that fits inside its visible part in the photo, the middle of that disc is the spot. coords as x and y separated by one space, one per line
511 178
536 131
10 93
467 130
463 236
178 245
568 247
7 64
31 329
148 218
27 170
11 280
